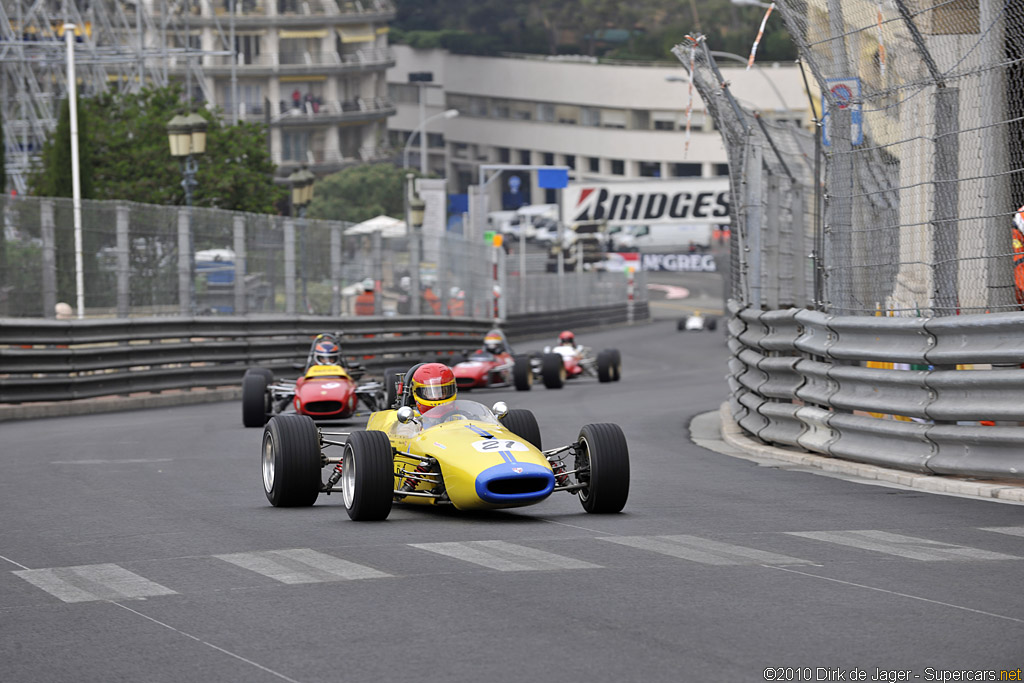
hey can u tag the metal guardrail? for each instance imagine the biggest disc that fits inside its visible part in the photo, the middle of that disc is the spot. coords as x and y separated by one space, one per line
950 401
57 360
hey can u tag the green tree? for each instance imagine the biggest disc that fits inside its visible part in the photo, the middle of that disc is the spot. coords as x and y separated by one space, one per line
358 193
124 152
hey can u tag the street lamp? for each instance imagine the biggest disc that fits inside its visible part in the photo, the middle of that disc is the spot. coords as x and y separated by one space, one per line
302 181
421 129
186 136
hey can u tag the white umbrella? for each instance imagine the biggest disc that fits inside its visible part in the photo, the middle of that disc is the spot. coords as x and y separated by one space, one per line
385 225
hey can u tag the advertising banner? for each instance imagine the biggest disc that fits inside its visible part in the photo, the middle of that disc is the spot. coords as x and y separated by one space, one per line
648 202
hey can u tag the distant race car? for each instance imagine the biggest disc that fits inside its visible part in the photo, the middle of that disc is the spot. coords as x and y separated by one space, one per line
494 366
327 389
697 321
569 360
460 454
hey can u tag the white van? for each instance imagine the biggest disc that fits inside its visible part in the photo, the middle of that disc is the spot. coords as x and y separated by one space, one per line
661 235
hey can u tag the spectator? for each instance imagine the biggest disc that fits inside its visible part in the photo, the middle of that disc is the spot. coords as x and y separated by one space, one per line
365 301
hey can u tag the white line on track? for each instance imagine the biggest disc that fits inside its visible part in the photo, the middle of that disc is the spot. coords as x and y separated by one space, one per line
207 644
132 461
899 545
13 562
902 595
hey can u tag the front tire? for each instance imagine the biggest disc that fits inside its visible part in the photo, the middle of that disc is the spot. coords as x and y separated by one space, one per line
605 361
255 399
291 461
616 365
522 373
552 371
368 476
522 423
602 465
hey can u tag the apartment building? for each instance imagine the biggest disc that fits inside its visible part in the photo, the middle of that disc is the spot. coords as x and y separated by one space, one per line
603 121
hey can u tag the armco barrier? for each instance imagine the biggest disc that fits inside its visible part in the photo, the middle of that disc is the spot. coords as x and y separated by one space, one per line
802 378
59 360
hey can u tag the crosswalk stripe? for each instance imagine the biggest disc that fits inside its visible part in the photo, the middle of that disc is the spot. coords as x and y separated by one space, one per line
503 556
902 546
1008 530
703 550
301 565
93 582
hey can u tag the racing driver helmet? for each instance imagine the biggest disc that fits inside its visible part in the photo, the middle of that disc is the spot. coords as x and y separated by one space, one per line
567 337
433 384
326 352
494 341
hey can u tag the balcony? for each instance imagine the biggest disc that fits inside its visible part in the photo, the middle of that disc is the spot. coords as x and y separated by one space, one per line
326 63
316 112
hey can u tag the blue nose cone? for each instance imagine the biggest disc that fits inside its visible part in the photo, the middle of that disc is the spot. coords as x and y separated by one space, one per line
515 483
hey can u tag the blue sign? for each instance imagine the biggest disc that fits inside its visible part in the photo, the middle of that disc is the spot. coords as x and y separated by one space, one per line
513 184
846 92
552 177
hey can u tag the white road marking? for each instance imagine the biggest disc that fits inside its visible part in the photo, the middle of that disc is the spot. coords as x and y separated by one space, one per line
1008 530
301 565
505 557
93 582
902 546
133 461
703 550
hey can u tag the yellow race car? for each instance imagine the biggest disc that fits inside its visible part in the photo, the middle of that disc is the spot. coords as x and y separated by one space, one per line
461 454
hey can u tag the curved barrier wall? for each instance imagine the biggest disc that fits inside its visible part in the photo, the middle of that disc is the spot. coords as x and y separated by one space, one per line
931 395
59 360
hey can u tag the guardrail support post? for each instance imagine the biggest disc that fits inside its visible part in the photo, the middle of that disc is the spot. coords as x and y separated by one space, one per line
46 227
335 271
241 305
184 263
289 265
123 262
378 277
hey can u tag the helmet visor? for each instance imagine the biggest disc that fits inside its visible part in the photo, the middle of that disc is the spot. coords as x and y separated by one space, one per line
435 392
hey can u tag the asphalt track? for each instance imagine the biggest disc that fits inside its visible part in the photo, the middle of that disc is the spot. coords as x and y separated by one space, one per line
139 546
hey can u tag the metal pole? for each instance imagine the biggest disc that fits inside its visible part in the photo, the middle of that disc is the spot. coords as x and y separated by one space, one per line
289 265
190 168
184 257
123 264
234 69
423 133
522 270
335 270
49 257
303 227
241 265
76 182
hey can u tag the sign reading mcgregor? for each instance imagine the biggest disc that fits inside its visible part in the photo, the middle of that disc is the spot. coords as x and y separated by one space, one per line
694 200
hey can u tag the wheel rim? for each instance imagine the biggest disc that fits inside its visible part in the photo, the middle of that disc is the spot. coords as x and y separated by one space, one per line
268 463
583 470
529 378
348 477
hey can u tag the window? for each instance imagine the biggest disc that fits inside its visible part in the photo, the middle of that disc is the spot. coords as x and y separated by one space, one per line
248 48
550 195
650 169
545 112
613 118
664 125
294 144
570 161
549 159
619 167
721 169
500 109
590 116
595 165
504 155
435 140
460 102
685 170
478 106
524 157
641 119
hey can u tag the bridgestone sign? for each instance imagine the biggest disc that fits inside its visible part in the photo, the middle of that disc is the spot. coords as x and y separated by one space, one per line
693 200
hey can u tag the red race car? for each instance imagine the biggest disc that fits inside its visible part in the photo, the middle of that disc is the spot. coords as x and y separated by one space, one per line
568 360
494 366
327 389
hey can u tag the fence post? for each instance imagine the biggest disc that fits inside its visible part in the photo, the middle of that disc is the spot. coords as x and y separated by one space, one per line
289 265
839 214
946 230
184 262
335 271
46 230
503 284
770 245
241 265
750 246
123 263
378 277
802 263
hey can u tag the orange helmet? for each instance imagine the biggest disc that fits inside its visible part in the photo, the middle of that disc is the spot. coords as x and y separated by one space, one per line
326 352
433 384
567 337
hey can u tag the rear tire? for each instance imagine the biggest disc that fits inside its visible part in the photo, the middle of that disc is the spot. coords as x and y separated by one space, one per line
605 361
255 399
552 370
712 324
522 373
368 476
616 365
266 372
602 464
291 461
522 423
391 378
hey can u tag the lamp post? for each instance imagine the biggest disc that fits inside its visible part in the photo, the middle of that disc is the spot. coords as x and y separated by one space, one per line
302 181
187 138
421 129
414 210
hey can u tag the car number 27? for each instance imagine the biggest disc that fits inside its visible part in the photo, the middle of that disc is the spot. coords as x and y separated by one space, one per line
497 445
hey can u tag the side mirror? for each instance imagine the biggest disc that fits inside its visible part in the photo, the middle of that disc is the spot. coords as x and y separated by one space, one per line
499 409
405 414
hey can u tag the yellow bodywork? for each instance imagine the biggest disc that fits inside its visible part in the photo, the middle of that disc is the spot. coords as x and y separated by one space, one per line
325 371
460 450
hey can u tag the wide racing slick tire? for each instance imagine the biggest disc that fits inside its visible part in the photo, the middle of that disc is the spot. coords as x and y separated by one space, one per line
523 423
602 466
291 461
681 325
255 399
392 376
266 372
368 476
616 365
711 324
605 364
552 370
522 373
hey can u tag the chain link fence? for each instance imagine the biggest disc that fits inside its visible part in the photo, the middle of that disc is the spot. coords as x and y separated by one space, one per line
144 260
921 151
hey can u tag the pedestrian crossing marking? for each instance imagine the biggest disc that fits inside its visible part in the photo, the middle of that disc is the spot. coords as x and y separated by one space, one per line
503 556
301 565
1008 530
899 545
703 550
93 582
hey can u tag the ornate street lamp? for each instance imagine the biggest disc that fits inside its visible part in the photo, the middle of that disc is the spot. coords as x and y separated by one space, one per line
186 136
